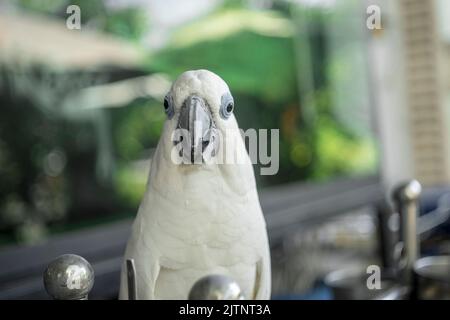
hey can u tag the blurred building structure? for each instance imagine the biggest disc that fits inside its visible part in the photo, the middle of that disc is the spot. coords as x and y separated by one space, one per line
35 39
410 62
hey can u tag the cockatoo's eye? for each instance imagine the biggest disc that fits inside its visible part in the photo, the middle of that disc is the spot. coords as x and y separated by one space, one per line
168 106
226 106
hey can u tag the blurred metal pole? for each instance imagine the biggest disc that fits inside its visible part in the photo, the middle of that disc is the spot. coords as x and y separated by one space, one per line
406 197
388 236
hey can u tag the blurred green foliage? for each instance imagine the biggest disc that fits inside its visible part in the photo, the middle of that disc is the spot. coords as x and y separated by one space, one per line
255 51
252 51
136 131
129 22
137 128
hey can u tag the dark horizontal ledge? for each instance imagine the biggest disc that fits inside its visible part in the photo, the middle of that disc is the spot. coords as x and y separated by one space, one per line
286 208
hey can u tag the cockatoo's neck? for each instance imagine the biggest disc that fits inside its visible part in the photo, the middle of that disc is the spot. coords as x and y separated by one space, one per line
178 182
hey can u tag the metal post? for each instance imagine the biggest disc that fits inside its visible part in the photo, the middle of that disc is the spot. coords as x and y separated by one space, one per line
406 197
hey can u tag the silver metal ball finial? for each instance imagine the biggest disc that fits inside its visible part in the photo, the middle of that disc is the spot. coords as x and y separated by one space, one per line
69 277
407 191
216 287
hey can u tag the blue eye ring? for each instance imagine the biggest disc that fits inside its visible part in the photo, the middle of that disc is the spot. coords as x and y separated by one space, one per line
168 106
226 105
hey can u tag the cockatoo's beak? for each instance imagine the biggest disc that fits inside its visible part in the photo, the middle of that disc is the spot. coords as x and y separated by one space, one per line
195 117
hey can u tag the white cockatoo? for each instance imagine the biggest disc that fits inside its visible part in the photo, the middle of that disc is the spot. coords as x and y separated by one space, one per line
198 217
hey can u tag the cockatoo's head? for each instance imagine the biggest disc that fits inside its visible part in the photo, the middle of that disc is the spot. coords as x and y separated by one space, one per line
199 109
200 140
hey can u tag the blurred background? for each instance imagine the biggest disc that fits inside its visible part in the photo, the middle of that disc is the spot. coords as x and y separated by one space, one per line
359 109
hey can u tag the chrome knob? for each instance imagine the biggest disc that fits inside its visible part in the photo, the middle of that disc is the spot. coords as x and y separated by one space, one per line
69 277
216 287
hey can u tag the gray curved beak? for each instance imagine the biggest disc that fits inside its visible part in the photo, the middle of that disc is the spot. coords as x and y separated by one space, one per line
199 129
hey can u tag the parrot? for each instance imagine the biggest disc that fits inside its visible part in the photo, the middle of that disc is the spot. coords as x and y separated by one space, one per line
198 217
